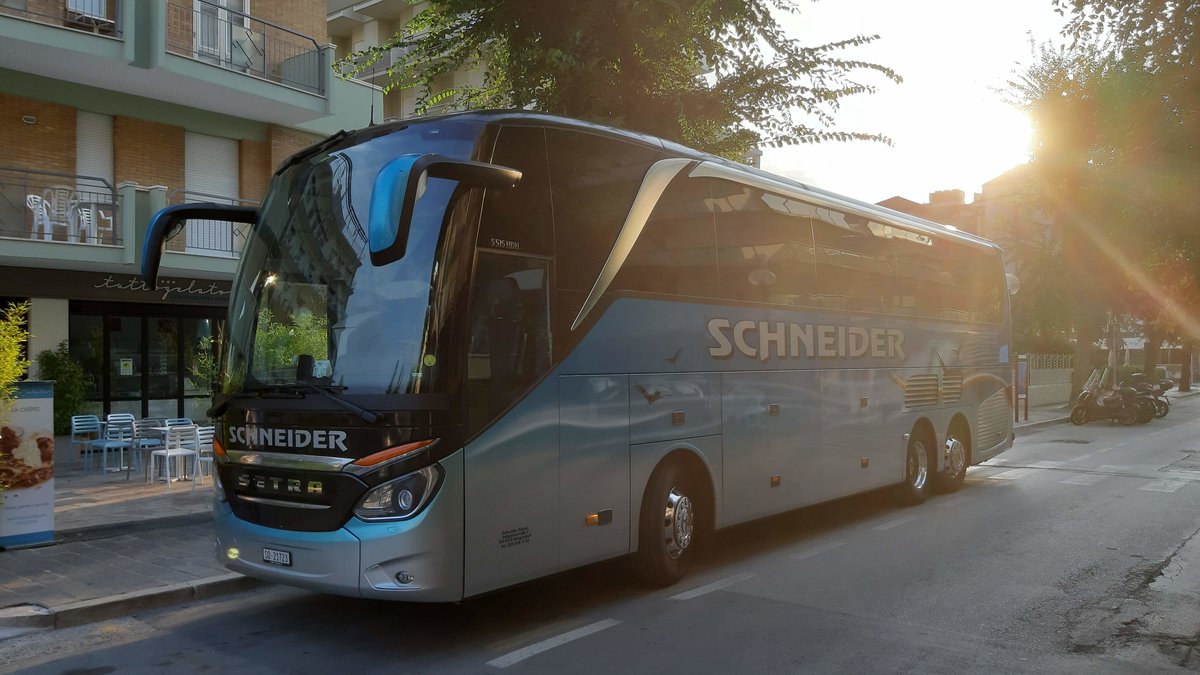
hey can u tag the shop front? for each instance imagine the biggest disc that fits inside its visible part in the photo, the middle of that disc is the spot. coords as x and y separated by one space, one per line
147 352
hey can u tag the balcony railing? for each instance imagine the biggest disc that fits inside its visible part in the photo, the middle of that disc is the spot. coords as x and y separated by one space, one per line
208 32
93 16
51 206
219 238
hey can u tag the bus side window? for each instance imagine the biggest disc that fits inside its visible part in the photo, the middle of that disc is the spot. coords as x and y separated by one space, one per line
765 246
676 251
509 346
519 220
855 269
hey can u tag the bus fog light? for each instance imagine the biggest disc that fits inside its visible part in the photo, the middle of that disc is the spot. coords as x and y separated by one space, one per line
232 553
402 497
405 577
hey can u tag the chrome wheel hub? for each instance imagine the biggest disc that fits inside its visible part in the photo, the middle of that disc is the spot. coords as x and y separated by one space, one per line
918 466
956 456
678 522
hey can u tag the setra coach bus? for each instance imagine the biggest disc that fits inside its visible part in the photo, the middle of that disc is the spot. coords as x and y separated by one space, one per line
468 351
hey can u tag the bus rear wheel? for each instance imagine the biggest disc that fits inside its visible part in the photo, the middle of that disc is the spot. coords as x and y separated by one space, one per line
669 525
918 465
951 478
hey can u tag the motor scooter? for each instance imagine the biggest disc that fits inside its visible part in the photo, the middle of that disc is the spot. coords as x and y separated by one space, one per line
1097 403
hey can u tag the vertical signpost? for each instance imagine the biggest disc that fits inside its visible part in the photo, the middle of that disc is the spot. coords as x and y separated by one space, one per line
1021 378
27 467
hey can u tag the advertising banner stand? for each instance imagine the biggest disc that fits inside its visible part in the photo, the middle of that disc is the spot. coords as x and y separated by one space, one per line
27 467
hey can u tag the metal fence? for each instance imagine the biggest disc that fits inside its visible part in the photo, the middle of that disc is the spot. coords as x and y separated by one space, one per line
220 238
93 16
210 32
51 206
1051 361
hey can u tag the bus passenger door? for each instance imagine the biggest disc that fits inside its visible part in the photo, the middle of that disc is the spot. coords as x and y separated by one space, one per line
511 464
594 465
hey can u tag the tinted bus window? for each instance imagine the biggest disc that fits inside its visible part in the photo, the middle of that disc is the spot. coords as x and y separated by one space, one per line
765 246
520 219
593 183
854 269
675 253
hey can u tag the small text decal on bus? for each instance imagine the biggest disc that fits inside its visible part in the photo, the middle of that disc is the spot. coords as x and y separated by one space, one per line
765 339
289 438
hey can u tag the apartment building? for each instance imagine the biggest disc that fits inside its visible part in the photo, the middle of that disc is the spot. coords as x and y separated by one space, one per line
112 109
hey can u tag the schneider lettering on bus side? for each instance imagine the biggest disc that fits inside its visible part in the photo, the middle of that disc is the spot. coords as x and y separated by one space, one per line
784 340
316 439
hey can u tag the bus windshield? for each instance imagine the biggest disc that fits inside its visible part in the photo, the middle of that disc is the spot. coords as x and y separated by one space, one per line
307 306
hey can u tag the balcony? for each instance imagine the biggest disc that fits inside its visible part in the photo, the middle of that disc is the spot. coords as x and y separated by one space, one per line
46 206
215 238
101 17
210 33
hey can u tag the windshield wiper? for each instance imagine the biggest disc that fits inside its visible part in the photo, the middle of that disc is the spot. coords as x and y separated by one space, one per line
329 391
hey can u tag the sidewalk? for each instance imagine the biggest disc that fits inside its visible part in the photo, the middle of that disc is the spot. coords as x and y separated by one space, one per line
120 545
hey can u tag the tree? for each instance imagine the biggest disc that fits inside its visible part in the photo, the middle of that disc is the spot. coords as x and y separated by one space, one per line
71 384
717 75
13 363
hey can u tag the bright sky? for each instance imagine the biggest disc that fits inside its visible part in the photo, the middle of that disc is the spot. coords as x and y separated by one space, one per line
949 124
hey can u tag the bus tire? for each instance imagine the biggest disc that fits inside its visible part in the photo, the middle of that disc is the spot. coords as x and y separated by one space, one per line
919 465
958 457
668 525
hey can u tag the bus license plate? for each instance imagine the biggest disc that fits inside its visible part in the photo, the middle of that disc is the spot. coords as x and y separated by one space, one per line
274 557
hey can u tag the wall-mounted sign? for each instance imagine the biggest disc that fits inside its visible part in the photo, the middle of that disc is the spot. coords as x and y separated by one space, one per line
126 366
77 285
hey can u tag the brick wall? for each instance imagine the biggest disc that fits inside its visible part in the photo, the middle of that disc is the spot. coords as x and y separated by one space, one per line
255 169
47 145
305 16
287 142
148 153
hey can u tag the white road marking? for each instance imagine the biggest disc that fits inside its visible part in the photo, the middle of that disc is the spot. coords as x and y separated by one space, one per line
953 502
1164 485
1114 467
714 586
1047 465
997 460
818 550
1121 444
550 643
1084 479
1104 449
894 523
1080 458
1011 474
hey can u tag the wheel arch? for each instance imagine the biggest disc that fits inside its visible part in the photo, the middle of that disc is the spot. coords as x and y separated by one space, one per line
696 457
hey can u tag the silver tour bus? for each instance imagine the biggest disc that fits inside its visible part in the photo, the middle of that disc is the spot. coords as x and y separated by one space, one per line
468 351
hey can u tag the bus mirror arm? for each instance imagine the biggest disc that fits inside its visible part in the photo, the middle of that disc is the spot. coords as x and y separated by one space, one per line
401 182
169 221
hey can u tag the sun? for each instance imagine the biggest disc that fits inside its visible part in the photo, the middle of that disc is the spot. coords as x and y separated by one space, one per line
971 142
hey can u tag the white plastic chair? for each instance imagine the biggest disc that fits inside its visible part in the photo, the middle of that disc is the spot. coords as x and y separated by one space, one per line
146 436
204 453
41 217
181 440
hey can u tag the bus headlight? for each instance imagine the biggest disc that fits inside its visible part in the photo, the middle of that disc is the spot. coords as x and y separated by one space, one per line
402 497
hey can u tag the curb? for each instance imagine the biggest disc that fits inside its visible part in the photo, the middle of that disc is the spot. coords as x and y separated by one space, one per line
91 532
1025 426
99 609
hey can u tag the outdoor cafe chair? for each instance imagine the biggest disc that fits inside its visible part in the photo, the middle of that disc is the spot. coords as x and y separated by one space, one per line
118 437
84 430
146 436
180 441
204 453
178 421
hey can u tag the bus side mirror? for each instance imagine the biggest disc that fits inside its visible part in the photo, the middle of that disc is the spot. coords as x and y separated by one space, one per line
169 221
401 182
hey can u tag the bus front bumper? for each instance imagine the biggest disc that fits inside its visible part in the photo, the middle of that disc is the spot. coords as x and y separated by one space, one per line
416 560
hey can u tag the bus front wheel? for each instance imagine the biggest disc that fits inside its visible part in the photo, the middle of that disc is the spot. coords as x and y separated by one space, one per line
919 464
669 524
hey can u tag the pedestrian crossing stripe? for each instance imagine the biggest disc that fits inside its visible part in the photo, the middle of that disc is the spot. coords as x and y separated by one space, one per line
1011 474
1164 485
1084 479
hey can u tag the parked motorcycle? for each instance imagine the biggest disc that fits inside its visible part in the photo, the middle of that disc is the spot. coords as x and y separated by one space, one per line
1097 403
1155 392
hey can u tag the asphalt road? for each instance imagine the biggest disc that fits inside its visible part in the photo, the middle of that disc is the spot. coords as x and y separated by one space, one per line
1074 551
